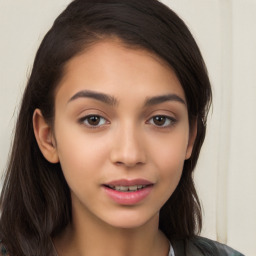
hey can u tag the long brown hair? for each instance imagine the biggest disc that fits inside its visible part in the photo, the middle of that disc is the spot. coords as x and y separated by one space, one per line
35 200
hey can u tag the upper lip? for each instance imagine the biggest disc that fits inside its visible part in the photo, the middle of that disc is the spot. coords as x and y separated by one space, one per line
126 182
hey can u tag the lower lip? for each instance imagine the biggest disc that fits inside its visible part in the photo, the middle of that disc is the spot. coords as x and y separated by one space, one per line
128 198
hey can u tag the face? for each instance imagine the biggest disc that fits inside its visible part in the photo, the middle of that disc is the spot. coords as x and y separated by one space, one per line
121 133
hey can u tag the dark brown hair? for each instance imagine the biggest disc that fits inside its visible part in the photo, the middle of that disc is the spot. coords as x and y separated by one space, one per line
35 200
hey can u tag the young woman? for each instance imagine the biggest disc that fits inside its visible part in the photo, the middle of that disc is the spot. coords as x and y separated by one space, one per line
109 132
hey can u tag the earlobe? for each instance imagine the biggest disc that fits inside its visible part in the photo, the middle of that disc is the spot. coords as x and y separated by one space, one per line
44 137
192 138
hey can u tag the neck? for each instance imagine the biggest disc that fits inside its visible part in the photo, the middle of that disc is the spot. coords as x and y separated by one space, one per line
91 236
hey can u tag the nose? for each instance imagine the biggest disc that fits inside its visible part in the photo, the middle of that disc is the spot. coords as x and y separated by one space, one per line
128 148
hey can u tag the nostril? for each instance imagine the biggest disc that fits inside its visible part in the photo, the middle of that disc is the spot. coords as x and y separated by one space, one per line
120 163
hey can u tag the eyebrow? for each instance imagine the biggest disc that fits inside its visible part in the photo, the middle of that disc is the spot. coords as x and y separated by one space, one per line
163 98
110 100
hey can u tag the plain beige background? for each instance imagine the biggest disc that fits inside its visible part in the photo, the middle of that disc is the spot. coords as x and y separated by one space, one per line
226 33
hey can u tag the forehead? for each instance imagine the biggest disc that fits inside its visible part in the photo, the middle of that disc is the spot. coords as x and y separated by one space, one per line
110 65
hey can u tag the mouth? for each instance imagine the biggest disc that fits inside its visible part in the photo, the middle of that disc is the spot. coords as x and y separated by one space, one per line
128 192
132 188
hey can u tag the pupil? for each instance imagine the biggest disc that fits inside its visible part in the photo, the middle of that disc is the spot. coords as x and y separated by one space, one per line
159 120
94 120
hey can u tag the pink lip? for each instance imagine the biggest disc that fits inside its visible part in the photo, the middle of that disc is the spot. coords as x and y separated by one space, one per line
124 182
128 198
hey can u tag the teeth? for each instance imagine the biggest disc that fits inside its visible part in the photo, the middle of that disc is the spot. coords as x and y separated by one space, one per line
122 188
127 188
133 188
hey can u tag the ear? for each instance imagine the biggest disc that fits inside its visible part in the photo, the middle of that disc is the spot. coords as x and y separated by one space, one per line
192 138
44 137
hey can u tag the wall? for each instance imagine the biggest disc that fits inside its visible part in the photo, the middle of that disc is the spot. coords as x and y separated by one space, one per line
226 174
225 31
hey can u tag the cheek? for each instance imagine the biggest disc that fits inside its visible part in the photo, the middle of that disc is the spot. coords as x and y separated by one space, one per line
171 170
170 152
169 156
79 155
170 177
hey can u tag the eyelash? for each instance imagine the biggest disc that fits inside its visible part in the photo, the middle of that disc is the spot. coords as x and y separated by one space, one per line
168 121
85 120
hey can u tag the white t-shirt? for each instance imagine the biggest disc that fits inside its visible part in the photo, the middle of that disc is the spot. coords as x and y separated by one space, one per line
171 252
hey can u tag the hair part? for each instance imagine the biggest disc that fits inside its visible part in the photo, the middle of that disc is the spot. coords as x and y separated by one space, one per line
35 199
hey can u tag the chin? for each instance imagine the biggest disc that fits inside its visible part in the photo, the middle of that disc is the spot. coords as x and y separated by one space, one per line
131 221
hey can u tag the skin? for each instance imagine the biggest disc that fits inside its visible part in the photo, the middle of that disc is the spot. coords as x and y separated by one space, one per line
125 141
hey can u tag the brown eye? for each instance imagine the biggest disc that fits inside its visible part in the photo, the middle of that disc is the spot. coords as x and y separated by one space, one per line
159 120
93 121
162 121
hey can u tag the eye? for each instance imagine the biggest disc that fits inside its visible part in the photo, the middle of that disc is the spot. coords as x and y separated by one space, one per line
93 121
162 121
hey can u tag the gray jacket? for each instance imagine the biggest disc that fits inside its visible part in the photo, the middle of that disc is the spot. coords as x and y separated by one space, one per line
200 246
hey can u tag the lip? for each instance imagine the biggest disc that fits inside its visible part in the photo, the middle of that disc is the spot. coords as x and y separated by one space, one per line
128 198
126 182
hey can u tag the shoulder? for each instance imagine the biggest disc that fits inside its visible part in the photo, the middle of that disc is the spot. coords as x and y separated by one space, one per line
209 246
204 247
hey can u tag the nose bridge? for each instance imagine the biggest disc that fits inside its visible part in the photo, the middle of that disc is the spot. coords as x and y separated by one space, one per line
128 145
